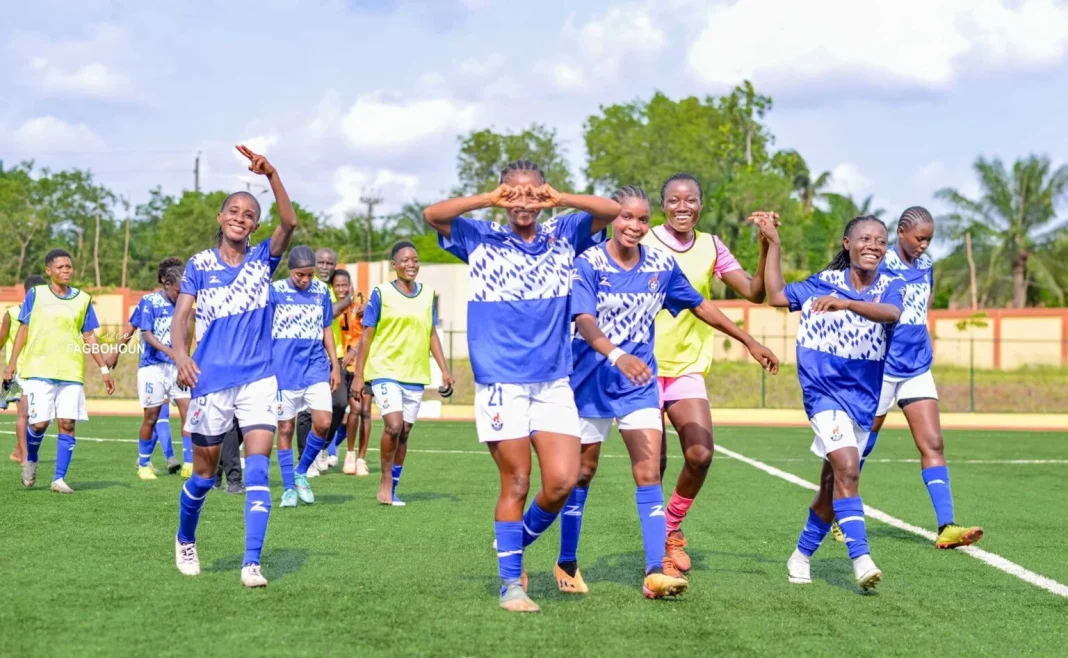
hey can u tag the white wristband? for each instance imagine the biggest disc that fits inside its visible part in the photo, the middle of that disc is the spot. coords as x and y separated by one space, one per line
614 355
104 370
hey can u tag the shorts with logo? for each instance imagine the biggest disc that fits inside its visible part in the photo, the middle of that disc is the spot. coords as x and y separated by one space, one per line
317 397
896 389
596 430
253 405
392 397
157 383
48 400
836 430
516 411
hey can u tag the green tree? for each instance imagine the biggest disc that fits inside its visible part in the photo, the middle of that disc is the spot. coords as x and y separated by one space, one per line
21 218
807 187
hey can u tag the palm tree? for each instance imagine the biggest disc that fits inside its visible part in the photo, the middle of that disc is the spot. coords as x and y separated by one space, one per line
791 165
1016 217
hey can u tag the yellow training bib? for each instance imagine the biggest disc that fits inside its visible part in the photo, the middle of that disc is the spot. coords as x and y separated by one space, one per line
400 349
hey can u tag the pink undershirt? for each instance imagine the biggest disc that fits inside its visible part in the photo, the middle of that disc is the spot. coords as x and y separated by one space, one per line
725 260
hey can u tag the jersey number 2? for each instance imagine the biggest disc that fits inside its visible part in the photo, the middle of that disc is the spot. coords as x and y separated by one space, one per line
496 396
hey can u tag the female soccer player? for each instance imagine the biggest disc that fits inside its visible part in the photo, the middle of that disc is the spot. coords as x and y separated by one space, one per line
684 349
618 290
358 419
304 365
399 330
847 313
519 342
9 326
231 375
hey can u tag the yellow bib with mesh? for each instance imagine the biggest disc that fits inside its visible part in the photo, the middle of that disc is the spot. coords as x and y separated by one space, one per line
53 347
13 328
401 347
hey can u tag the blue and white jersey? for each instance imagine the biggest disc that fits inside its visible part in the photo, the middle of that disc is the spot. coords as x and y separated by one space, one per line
518 324
298 320
910 350
625 303
840 355
154 313
233 318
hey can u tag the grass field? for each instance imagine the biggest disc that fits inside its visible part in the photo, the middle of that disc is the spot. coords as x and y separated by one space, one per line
93 574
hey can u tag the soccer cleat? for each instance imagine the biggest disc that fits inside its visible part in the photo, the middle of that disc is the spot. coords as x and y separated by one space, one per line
173 465
235 488
570 584
322 461
514 599
868 575
289 498
361 468
836 533
251 576
350 464
670 569
304 491
185 558
331 461
954 536
59 486
657 585
29 473
187 471
799 569
313 471
676 542
146 473
397 502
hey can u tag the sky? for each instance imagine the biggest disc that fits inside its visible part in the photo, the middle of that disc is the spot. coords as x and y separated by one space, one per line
897 98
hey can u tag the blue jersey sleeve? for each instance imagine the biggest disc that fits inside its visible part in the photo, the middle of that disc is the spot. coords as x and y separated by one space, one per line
143 318
466 234
434 311
583 289
262 251
91 323
190 280
681 295
894 294
373 309
328 310
801 291
577 228
27 306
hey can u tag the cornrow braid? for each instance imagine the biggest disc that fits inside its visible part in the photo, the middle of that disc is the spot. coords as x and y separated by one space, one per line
913 216
841 259
166 264
521 165
629 192
682 176
171 275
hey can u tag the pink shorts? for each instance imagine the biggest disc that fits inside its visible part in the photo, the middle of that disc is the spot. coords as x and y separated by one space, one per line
686 387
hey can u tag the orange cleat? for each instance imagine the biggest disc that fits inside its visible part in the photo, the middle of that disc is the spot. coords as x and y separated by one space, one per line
570 584
676 542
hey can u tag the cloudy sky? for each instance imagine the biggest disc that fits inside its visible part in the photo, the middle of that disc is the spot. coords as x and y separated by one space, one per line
895 97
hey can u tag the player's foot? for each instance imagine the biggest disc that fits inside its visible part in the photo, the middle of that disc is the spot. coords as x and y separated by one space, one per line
173 465
187 470
16 458
289 498
235 488
331 461
59 486
218 486
670 569
868 575
322 461
154 469
29 473
657 585
799 569
146 473
304 491
676 542
185 558
567 583
251 576
836 533
313 471
361 468
397 502
514 599
952 535
350 464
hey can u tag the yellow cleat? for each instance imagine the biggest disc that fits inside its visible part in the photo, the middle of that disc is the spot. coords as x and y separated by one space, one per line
657 585
836 533
955 536
570 584
146 473
187 471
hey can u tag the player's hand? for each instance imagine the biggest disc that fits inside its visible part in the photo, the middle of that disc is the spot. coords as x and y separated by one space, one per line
545 196
350 357
109 384
257 163
637 372
503 194
9 372
830 303
188 372
111 360
335 379
447 379
768 231
765 357
521 196
356 391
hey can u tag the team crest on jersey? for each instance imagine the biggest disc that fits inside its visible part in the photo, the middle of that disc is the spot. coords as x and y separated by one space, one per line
497 424
195 418
836 434
384 402
654 283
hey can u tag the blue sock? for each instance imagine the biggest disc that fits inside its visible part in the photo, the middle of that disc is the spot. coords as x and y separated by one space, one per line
187 448
872 438
312 449
396 479
571 524
813 533
850 515
257 506
535 522
144 451
339 436
194 491
33 444
285 464
509 550
64 452
163 431
650 501
937 480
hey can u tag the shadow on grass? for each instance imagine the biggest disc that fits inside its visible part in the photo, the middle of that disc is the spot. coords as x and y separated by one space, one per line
838 573
277 564
888 532
334 499
100 484
424 496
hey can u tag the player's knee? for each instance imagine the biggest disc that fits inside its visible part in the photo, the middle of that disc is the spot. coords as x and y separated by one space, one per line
322 430
559 488
516 487
931 445
586 473
646 473
699 457
847 479
65 426
393 430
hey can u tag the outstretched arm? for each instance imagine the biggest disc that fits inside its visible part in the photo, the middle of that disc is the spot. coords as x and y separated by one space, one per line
713 317
440 215
773 278
876 312
287 216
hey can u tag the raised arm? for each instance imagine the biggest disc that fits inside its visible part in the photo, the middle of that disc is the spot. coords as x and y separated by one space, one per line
773 279
713 317
637 372
440 215
286 215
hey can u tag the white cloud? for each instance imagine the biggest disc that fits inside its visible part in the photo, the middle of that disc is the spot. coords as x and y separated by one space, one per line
474 5
90 80
846 179
47 133
480 67
930 173
352 183
906 43
374 123
327 115
84 66
562 75
259 144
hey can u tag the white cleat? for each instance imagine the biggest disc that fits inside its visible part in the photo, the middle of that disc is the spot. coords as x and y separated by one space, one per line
798 569
361 468
331 461
251 576
350 464
29 473
59 486
185 558
322 461
868 575
313 471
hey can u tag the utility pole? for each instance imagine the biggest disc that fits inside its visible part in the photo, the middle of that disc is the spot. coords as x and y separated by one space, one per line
126 247
371 201
196 173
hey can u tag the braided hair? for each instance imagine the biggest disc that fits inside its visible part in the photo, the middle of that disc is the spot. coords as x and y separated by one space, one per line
226 202
165 265
172 274
522 165
629 192
913 216
841 260
684 177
